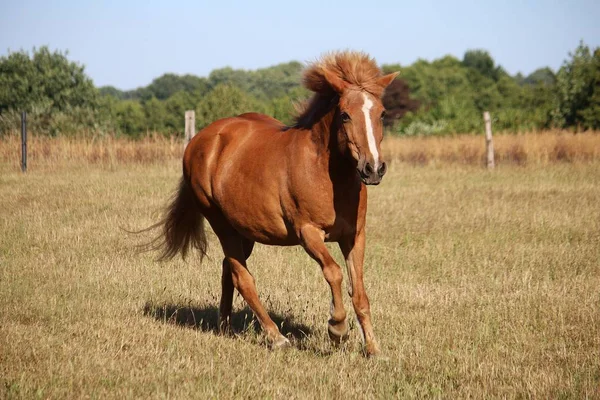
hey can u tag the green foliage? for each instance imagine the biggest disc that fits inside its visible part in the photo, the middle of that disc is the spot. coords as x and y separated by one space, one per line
225 92
591 113
577 90
283 108
264 84
450 115
443 96
44 78
162 88
175 108
155 114
130 116
482 62
454 94
111 91
541 75
431 81
167 85
226 100
59 97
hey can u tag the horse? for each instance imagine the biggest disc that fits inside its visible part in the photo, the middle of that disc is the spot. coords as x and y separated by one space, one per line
255 179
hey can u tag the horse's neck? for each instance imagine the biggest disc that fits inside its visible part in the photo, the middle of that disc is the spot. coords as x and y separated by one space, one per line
325 136
323 133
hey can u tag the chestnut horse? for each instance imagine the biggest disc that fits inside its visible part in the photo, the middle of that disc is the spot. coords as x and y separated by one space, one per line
257 180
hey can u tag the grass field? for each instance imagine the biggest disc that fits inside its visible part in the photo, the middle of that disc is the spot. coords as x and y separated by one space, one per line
482 284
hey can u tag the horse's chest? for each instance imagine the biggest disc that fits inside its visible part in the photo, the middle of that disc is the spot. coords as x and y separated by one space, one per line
321 213
335 214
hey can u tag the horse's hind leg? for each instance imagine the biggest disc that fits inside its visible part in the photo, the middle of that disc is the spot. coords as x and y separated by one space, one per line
236 252
226 299
227 289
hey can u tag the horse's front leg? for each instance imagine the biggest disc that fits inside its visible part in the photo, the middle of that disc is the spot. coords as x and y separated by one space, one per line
313 242
353 249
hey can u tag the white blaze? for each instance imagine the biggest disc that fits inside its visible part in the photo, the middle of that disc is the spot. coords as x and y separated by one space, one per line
366 109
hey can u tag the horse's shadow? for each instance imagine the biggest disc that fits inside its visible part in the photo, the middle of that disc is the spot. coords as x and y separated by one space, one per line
206 318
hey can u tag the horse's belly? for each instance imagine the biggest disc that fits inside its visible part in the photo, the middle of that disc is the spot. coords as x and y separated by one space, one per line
260 221
266 229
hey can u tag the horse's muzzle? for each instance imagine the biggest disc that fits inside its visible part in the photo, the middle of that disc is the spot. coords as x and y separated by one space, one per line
371 177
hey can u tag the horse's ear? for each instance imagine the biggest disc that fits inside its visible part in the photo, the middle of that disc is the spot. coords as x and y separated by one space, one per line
385 80
320 80
337 84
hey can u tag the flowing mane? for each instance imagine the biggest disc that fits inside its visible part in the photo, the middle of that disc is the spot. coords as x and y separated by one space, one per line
348 68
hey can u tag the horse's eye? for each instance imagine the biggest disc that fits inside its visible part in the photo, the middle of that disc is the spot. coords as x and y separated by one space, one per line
345 117
382 114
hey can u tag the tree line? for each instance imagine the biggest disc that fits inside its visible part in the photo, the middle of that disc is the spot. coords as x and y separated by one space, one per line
443 96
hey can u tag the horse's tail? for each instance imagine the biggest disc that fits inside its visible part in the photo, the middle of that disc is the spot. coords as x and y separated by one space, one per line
182 227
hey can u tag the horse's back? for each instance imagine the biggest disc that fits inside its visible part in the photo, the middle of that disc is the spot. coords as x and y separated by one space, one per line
235 128
252 116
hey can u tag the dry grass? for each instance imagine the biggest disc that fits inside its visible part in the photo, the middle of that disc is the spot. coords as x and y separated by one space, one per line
482 285
523 149
46 152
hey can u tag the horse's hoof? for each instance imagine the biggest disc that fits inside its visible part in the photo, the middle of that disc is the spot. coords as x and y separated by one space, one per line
280 342
338 332
372 350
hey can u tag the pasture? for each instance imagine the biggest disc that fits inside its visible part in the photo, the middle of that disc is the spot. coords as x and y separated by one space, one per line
482 284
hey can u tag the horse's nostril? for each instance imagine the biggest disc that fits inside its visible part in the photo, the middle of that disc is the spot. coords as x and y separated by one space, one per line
382 169
368 169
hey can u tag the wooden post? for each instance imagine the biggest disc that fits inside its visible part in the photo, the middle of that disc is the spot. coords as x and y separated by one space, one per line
24 141
190 127
489 144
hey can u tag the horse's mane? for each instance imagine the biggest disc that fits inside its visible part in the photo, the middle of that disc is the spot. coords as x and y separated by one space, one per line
351 68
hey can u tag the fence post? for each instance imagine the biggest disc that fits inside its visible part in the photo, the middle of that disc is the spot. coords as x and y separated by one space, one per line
24 141
190 127
489 144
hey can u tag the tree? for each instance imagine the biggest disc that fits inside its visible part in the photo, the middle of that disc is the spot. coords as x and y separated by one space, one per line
264 84
576 83
226 101
481 61
56 92
175 108
111 91
130 116
47 77
590 115
229 76
284 108
156 115
277 81
397 102
167 85
541 75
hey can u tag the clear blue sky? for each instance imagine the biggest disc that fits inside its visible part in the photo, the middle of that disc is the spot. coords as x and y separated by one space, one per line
128 43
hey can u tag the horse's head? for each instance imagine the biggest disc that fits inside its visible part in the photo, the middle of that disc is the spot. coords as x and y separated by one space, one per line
360 120
357 82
